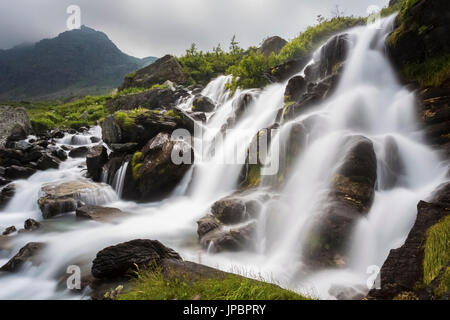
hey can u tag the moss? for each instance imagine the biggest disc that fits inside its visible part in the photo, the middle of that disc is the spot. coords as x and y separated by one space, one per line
132 90
123 119
171 113
444 285
41 125
430 73
153 285
136 164
254 175
437 249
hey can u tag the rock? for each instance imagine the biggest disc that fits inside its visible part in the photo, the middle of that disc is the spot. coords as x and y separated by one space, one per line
129 147
420 34
163 69
9 230
4 181
234 239
57 134
48 162
96 158
28 253
154 99
155 174
207 224
95 139
79 152
233 209
272 45
6 194
60 154
295 88
111 131
350 199
16 172
97 213
23 145
287 69
203 104
31 224
14 124
68 196
403 270
10 157
116 261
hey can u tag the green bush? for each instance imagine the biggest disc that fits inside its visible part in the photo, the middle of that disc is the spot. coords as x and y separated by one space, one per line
437 249
41 125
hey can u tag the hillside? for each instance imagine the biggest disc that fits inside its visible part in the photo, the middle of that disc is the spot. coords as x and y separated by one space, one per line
75 63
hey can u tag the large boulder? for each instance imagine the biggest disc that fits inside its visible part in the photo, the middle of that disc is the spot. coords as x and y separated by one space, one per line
350 197
202 104
153 173
155 99
29 253
68 196
420 265
117 261
163 69
17 172
295 88
235 209
48 162
96 158
272 45
230 239
14 124
111 131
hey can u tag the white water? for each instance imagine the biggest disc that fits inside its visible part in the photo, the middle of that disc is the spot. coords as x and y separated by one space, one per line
369 101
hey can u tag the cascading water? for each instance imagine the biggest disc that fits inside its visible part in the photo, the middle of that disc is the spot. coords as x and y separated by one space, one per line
368 101
119 179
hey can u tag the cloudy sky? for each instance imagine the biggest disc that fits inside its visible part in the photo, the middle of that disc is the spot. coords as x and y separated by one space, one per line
156 27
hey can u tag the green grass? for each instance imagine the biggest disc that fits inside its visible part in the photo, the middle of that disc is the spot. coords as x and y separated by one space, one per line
437 250
152 285
430 73
76 114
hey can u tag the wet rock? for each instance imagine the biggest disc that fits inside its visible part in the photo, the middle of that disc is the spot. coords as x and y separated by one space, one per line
154 173
29 253
202 104
31 224
350 198
95 139
403 270
60 154
234 239
207 224
57 134
4 181
286 70
116 261
6 194
129 147
111 131
96 158
234 209
163 69
68 196
9 230
295 88
98 213
48 162
23 145
79 152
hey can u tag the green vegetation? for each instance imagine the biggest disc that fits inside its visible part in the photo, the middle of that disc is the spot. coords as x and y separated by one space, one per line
314 36
171 113
134 90
437 250
431 72
131 75
136 164
83 112
123 119
153 285
204 66
254 175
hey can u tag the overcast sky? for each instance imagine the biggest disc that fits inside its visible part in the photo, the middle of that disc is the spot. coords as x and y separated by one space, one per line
156 27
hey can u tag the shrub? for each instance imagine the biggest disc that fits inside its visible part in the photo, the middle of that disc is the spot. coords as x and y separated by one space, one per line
41 125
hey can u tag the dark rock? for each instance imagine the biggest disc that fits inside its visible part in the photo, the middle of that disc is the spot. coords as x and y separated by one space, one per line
48 162
295 88
33 155
57 134
23 145
116 261
272 45
79 152
156 175
129 147
157 98
60 154
97 213
230 210
286 70
111 131
95 139
4 181
31 224
28 253
350 199
163 69
96 158
207 224
9 230
16 172
203 104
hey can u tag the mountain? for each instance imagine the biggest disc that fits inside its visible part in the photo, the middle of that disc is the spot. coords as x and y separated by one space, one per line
75 63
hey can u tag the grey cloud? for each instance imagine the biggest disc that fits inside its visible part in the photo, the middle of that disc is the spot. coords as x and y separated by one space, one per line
151 27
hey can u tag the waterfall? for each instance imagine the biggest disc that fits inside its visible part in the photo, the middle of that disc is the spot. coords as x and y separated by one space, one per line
368 101
119 179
